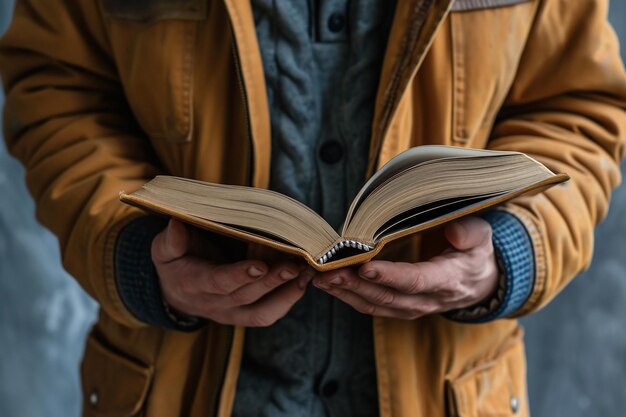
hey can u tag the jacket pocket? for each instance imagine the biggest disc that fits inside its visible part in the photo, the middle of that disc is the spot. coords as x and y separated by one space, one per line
494 389
488 39
153 10
153 45
465 5
113 385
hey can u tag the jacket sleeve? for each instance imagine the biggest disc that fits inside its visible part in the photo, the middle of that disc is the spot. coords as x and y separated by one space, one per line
566 109
67 120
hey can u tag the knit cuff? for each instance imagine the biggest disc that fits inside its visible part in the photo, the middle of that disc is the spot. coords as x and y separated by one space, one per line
516 262
137 280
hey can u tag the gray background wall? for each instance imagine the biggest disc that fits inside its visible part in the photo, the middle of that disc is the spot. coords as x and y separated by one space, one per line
44 314
576 346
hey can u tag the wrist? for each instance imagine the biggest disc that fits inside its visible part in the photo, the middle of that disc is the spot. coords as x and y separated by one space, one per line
489 304
516 264
136 277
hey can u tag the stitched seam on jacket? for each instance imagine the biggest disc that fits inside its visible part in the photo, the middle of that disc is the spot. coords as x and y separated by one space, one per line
458 135
466 5
152 11
186 94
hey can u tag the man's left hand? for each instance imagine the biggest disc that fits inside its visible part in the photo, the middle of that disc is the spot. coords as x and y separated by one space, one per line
462 276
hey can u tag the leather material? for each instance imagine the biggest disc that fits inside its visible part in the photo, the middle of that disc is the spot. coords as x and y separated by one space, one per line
96 104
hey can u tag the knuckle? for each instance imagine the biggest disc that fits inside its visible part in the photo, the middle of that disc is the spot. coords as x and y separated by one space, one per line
414 313
457 290
360 308
384 297
271 282
352 284
384 279
369 309
417 282
240 298
452 287
416 310
428 308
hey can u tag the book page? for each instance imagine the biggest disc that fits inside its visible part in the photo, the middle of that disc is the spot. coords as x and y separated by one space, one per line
246 208
440 181
410 158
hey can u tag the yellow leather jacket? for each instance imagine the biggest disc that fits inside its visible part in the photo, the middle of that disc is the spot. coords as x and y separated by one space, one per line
102 95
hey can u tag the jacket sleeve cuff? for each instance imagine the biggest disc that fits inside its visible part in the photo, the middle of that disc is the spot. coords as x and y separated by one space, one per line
514 254
136 278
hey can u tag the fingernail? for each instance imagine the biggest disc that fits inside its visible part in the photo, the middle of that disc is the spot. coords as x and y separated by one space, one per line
255 272
371 274
321 284
287 274
336 281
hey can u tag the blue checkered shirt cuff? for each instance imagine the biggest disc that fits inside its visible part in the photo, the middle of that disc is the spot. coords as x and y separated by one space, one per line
514 254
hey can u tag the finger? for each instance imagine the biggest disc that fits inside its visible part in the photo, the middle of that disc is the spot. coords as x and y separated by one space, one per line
468 233
171 243
226 278
408 278
364 306
181 283
198 276
267 310
188 284
276 277
380 295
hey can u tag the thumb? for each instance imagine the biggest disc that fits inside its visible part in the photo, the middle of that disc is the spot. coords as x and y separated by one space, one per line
468 233
171 243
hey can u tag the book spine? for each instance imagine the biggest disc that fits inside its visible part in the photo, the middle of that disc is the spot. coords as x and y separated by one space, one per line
341 245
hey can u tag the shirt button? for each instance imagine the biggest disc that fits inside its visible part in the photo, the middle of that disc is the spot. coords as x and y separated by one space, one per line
330 388
331 152
336 22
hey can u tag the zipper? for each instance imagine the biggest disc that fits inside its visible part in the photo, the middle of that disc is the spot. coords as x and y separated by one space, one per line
244 97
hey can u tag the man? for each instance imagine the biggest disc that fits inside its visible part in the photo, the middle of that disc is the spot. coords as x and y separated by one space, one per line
102 98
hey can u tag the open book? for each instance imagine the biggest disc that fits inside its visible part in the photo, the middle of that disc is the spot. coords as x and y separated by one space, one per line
420 188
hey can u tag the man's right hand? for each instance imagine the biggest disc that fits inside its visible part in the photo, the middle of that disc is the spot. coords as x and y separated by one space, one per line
247 293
